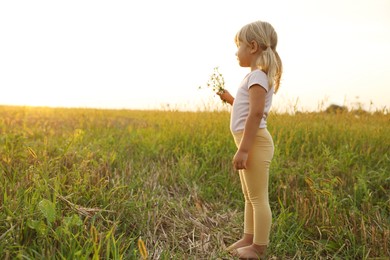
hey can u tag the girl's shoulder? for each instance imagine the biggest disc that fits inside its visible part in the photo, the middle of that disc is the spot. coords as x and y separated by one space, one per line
258 77
257 72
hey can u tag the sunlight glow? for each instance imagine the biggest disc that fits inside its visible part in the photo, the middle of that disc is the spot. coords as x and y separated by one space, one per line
128 55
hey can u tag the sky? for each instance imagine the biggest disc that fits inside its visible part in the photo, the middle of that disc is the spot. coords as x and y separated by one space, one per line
155 54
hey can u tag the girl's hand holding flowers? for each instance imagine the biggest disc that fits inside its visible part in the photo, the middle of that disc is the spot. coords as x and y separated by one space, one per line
225 96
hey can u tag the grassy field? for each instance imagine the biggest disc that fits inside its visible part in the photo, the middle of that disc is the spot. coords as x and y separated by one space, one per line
100 184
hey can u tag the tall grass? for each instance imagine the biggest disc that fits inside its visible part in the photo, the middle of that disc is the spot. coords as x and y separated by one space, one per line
97 184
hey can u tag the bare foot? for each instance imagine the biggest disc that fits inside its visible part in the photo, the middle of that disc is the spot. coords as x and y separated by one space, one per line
247 240
251 252
238 244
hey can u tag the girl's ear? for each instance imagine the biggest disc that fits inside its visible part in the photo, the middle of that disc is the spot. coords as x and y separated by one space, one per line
254 46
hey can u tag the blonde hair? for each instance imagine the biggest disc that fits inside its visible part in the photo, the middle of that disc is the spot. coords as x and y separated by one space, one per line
269 61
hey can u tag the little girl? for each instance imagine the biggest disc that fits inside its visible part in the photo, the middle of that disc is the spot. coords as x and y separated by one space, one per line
256 43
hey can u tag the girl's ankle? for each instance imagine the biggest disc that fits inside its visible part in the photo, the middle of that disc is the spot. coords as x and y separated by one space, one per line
247 238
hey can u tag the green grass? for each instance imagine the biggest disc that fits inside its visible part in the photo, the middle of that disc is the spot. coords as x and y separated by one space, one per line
89 184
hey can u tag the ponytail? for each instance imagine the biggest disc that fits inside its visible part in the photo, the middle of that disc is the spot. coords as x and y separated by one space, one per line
279 71
270 62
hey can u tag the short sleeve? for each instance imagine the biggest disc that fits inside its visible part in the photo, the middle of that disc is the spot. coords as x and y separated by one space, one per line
258 77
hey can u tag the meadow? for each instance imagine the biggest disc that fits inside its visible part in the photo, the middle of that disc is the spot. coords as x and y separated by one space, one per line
126 184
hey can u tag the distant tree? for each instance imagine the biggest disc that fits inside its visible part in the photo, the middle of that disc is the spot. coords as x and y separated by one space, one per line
333 108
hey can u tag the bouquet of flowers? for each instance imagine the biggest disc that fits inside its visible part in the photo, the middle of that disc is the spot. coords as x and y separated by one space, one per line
216 82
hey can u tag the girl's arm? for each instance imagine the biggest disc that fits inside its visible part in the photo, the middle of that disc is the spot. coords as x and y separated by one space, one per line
256 111
225 96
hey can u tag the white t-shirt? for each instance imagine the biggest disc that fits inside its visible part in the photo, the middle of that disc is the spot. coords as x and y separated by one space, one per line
241 103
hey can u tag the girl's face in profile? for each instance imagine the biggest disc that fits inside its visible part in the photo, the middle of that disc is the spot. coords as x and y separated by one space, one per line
243 54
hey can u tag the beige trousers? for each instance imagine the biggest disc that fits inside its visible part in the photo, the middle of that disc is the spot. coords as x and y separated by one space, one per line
254 182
